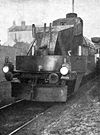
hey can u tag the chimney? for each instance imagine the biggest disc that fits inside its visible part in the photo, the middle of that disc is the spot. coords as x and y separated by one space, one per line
14 23
23 24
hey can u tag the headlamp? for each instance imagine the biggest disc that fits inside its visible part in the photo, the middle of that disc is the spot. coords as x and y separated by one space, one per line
5 69
64 70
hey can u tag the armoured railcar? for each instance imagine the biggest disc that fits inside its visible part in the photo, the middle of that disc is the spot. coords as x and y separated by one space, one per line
57 62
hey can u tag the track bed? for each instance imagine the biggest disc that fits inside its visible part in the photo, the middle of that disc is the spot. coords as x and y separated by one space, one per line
18 114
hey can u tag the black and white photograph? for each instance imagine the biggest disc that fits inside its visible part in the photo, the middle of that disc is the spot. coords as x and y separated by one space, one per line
49 67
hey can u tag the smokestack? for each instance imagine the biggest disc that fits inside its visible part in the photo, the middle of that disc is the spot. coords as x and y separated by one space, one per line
33 31
44 29
50 32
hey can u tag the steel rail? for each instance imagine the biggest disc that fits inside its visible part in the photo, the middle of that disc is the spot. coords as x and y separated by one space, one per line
25 124
10 104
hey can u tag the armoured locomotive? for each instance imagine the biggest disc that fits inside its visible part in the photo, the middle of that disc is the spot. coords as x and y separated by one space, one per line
56 64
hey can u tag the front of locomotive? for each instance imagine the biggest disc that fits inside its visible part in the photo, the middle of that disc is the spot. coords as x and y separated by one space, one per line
46 79
44 74
40 78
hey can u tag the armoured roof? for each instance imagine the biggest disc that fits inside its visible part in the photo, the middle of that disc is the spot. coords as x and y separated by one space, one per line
67 21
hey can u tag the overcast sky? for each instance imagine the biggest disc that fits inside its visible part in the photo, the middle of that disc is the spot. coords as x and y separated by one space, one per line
41 11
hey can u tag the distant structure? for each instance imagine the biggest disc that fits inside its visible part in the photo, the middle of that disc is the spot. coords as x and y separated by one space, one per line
22 33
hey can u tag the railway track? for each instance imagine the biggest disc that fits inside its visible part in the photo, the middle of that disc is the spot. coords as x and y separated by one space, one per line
14 117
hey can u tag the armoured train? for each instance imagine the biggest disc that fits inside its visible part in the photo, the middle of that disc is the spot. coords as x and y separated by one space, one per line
58 62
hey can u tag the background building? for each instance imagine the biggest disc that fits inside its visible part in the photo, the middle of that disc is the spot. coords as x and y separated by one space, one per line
22 33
